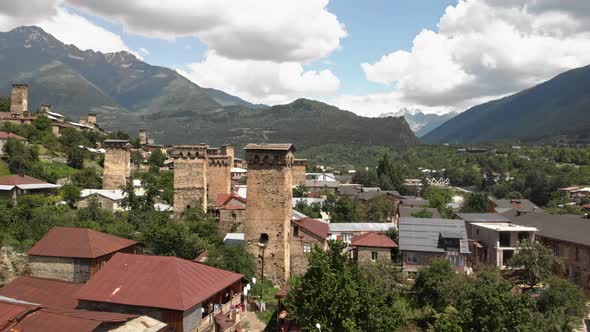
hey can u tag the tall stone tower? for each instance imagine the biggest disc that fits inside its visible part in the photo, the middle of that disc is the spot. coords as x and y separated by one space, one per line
117 163
143 137
299 172
190 177
45 108
269 207
19 99
218 176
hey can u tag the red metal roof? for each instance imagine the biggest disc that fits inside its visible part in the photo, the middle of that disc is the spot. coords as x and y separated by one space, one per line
79 243
46 292
42 320
7 135
373 239
316 227
13 180
11 313
224 199
155 281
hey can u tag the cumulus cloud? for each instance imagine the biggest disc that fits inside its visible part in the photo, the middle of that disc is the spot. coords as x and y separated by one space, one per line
275 30
260 81
483 49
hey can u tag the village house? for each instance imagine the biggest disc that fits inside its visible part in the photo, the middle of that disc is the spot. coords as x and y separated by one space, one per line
186 295
511 205
106 198
567 236
306 234
372 246
5 136
76 254
230 212
13 186
496 243
346 231
24 316
423 239
471 218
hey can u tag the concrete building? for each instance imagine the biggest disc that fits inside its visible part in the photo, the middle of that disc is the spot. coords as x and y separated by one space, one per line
75 254
567 236
117 164
298 170
190 177
13 186
372 246
269 211
186 295
307 233
496 243
423 239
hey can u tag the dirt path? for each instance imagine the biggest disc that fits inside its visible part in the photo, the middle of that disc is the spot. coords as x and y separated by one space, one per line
251 323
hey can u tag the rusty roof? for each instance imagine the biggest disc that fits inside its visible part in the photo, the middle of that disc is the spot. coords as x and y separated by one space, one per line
78 243
314 226
373 239
155 281
13 180
46 292
41 320
11 313
7 135
271 146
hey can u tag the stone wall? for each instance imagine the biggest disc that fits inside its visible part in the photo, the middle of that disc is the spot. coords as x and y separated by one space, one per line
366 253
19 99
576 260
117 164
63 268
231 220
103 202
218 177
269 210
190 177
299 172
299 258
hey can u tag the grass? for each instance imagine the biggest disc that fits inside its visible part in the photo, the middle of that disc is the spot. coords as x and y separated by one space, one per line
4 168
56 169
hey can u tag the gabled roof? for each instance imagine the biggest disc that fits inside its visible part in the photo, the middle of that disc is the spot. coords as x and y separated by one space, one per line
224 199
273 146
520 204
8 182
155 281
568 228
7 135
373 240
316 227
46 292
482 217
423 234
114 194
78 243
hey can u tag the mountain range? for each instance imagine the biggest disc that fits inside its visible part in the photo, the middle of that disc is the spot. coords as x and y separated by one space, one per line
421 123
129 94
554 111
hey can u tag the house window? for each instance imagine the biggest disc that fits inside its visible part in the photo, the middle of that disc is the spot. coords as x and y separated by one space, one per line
295 231
306 247
373 256
346 237
577 254
234 216
410 258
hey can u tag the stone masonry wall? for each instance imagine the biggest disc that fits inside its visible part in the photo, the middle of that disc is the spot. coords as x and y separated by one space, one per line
218 177
117 167
299 258
269 210
190 178
365 253
577 267
19 99
299 172
231 220
63 268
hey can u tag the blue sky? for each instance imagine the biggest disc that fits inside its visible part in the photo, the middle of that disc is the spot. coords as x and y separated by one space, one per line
370 57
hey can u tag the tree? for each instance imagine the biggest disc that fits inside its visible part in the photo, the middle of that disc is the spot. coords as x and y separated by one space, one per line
564 302
300 191
136 158
389 174
533 263
476 203
430 282
422 214
438 197
343 210
172 239
70 193
157 158
312 211
87 178
232 257
380 208
75 157
4 104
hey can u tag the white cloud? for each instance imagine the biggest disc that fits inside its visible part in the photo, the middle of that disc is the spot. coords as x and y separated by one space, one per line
144 51
275 30
483 49
261 81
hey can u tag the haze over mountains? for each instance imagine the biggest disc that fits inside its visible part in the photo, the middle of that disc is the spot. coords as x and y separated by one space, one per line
421 123
129 94
556 110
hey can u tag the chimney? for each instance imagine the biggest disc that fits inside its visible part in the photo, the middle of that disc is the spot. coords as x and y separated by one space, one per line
91 119
19 99
143 137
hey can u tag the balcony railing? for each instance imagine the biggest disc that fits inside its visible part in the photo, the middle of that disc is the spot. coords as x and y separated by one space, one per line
208 322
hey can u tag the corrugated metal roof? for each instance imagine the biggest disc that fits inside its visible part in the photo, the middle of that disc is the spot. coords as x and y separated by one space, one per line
10 313
373 240
155 281
47 292
319 228
360 227
423 234
78 243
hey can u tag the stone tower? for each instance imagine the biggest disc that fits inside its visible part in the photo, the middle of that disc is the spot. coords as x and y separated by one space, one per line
218 176
117 163
19 99
269 207
143 137
299 172
45 108
190 177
